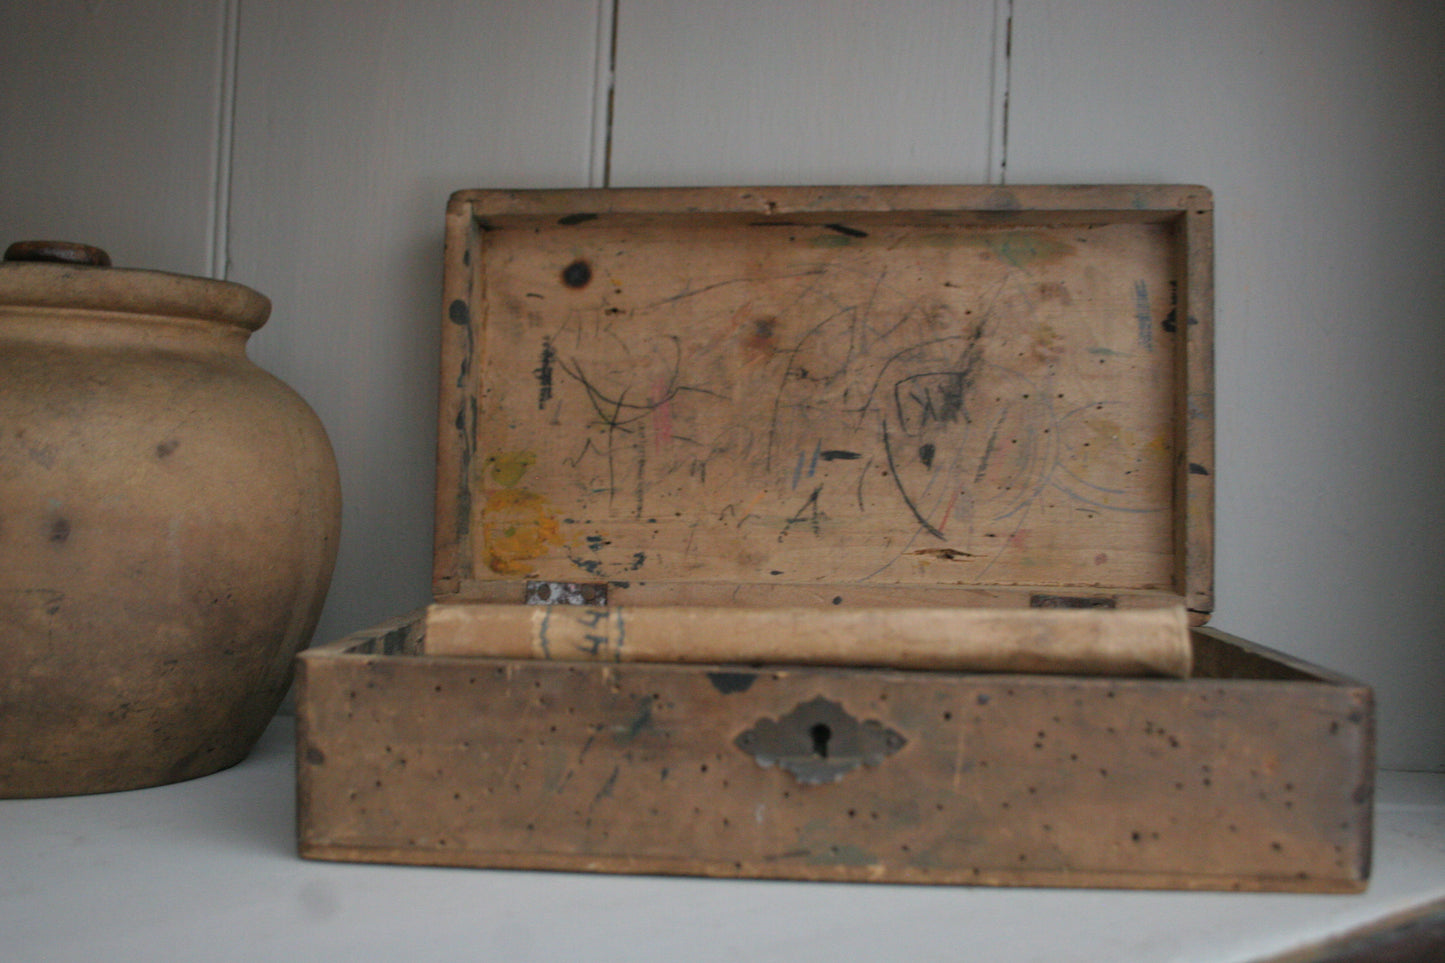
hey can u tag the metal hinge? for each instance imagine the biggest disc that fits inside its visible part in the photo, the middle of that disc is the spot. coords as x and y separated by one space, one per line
566 593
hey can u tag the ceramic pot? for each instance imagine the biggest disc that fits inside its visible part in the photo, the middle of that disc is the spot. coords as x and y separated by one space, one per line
169 515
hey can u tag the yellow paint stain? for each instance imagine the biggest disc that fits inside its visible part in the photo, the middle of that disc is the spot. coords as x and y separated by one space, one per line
1157 450
517 527
508 467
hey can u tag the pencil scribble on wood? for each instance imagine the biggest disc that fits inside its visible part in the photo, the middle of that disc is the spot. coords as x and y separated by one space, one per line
808 399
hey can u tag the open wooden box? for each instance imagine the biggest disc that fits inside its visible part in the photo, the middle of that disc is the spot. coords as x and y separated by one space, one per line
800 400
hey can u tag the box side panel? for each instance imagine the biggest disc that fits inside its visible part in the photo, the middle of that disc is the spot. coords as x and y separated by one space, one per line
971 779
402 635
1220 655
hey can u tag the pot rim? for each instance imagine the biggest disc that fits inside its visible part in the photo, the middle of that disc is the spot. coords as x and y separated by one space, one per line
136 291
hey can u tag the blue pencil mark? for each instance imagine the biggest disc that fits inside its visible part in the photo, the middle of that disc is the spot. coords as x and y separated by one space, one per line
598 639
1143 316
542 639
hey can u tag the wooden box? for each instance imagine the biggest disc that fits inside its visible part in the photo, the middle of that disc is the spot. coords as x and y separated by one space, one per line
802 401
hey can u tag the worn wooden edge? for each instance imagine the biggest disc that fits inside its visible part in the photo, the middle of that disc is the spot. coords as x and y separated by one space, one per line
1141 200
456 396
775 593
469 216
400 635
1194 513
1285 665
967 876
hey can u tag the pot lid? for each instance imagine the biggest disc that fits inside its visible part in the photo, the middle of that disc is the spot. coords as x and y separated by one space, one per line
65 275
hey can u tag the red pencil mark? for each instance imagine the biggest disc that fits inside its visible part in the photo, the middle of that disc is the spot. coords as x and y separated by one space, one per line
948 511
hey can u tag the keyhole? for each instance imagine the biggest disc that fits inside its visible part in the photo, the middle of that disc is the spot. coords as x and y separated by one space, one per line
820 734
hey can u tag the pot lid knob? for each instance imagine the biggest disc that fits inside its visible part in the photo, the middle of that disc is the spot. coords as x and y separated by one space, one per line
57 252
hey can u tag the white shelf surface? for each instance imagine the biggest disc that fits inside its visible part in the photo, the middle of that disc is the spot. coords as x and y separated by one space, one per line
207 870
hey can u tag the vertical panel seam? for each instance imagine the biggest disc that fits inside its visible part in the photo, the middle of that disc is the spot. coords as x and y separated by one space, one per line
599 173
218 258
999 90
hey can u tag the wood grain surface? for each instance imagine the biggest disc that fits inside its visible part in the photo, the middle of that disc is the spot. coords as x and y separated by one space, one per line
929 386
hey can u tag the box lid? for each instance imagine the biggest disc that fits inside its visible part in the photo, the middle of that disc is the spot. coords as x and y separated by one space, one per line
754 395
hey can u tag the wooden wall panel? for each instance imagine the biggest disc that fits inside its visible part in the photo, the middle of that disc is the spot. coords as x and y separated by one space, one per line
353 125
1319 127
108 124
797 92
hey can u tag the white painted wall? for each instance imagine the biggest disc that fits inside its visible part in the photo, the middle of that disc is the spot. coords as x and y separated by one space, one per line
110 127
307 148
350 133
1321 128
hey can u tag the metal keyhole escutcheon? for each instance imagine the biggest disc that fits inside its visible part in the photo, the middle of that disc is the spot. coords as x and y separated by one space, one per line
819 742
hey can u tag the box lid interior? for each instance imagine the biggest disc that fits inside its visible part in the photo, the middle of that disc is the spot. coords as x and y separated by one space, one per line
831 393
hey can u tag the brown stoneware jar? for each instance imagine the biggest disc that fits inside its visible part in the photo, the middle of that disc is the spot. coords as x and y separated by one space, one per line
169 515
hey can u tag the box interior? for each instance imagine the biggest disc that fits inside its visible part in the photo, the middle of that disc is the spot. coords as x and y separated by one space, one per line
1217 655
